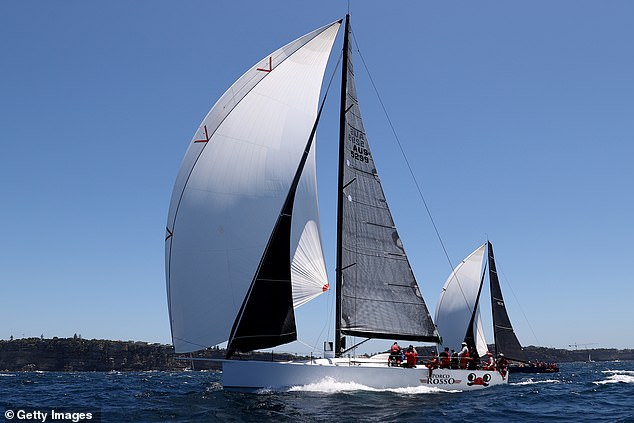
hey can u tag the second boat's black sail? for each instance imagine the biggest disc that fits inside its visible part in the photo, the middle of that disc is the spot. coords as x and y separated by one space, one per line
506 341
378 296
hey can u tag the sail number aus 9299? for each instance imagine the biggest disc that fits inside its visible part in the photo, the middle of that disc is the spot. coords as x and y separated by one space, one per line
359 150
361 154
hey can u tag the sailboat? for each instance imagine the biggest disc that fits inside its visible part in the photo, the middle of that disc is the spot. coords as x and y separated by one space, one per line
243 247
458 316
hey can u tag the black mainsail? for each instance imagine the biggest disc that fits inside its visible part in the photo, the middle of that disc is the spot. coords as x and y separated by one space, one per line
506 341
377 294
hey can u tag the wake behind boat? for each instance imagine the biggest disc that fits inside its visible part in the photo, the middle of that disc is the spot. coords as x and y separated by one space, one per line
533 368
243 245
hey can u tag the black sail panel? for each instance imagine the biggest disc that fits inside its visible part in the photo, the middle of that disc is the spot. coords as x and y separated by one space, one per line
470 336
379 294
267 318
506 341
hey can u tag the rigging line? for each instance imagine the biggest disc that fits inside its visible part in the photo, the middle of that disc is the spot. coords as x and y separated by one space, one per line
193 343
306 345
520 306
409 167
326 324
332 76
331 314
355 346
454 276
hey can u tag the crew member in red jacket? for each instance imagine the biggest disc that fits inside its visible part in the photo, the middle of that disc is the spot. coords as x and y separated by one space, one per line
445 359
433 363
464 356
490 364
395 355
411 357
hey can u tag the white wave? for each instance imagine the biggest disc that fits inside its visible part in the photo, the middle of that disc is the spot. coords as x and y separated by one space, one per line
619 372
329 385
7 374
420 390
535 382
617 378
215 386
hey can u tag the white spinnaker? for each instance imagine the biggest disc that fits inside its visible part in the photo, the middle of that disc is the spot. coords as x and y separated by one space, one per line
308 268
457 300
231 186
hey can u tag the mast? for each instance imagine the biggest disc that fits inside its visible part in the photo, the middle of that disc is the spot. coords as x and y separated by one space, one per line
342 135
492 271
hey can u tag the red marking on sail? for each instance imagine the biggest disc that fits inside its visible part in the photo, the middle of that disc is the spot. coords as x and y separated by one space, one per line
325 287
270 66
206 136
169 234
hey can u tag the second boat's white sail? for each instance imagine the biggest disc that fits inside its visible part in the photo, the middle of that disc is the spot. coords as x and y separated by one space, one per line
457 301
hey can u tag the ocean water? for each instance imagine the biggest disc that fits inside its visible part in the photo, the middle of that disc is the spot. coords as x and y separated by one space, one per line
593 392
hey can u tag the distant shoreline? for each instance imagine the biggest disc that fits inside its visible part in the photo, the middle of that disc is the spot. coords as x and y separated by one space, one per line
76 354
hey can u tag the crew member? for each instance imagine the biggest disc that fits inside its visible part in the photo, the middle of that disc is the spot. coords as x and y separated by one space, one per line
464 356
395 355
502 364
411 357
432 363
455 360
445 359
490 364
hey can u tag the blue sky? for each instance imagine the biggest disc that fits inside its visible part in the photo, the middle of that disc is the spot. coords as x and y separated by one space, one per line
516 118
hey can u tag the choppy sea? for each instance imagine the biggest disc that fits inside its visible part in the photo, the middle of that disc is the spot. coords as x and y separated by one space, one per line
593 392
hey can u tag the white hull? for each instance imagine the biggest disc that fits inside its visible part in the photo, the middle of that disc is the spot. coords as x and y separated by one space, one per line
373 373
